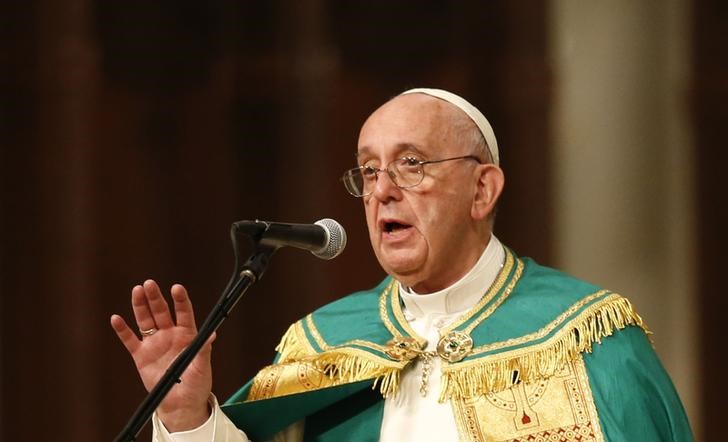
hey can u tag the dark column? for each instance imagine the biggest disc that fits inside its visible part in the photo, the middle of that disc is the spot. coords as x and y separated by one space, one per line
709 97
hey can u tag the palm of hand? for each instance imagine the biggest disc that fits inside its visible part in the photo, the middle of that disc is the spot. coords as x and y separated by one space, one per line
186 403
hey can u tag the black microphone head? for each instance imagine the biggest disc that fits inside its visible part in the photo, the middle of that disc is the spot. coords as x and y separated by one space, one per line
336 239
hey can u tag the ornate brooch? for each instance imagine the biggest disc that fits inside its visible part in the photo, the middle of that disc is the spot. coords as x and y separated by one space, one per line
454 346
401 348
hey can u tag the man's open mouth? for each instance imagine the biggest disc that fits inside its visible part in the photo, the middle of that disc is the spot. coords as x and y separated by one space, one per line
394 226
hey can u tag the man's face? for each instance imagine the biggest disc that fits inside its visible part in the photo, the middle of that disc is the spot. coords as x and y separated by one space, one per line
425 235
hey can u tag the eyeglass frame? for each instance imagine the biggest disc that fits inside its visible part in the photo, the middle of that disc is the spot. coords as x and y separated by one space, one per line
393 176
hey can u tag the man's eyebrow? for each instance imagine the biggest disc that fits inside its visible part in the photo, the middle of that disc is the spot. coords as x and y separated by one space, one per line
409 147
400 148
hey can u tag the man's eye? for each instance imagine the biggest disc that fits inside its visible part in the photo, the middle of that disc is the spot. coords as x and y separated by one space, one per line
410 161
368 171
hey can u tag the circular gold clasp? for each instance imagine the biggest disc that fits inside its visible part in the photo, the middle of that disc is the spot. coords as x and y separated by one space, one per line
454 346
402 348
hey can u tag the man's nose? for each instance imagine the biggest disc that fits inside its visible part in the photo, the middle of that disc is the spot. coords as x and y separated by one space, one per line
386 187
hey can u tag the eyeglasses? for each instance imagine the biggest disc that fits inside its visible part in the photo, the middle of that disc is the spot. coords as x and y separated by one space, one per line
404 172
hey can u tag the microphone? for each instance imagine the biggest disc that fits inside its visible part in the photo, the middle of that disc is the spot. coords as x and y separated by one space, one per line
325 238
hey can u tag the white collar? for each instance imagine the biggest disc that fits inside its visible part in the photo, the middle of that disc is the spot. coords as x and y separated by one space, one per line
464 293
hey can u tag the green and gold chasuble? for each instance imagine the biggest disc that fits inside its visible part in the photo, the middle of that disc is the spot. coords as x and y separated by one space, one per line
541 357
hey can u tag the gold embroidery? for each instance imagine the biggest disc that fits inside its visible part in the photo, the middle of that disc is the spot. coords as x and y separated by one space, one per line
331 368
383 299
545 410
591 408
466 418
265 383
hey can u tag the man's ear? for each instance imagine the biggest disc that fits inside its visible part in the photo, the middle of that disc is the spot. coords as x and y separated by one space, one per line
489 185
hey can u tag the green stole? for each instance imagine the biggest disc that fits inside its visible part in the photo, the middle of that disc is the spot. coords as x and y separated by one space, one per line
530 324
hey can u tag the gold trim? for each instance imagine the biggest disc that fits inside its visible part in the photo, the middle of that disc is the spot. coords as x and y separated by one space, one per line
489 311
580 369
399 315
500 280
294 343
466 419
315 333
558 409
495 373
328 347
362 343
383 298
548 328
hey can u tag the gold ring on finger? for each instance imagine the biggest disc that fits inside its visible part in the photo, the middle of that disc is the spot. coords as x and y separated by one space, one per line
148 332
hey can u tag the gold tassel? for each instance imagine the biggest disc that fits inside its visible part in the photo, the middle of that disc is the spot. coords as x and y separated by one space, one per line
596 322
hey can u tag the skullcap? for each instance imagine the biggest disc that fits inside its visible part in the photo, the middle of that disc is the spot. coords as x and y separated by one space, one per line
470 110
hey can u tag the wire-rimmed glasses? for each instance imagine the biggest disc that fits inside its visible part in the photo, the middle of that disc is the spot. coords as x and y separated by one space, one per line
404 172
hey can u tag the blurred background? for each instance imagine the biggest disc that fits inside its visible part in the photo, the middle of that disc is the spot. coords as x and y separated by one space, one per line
132 134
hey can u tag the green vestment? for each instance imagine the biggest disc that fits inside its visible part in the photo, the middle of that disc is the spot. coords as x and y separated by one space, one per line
551 358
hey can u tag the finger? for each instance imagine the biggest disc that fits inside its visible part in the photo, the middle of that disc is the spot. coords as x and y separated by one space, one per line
183 307
142 312
157 305
125 334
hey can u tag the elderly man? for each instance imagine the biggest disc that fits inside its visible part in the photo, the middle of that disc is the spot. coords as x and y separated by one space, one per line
464 340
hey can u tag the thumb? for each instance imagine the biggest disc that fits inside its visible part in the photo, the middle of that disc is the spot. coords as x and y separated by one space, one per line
207 348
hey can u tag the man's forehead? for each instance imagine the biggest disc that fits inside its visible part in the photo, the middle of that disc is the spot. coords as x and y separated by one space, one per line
407 124
408 114
420 103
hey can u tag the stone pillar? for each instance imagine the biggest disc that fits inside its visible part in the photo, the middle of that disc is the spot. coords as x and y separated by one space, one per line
623 175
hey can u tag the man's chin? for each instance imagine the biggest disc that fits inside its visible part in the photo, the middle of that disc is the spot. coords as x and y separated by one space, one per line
401 261
404 271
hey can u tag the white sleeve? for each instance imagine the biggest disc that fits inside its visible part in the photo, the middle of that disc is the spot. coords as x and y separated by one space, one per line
292 433
217 428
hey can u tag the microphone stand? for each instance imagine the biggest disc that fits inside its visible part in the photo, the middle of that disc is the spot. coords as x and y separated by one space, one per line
243 277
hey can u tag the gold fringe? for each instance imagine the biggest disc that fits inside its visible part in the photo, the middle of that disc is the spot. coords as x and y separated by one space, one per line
543 360
288 339
482 376
344 368
341 366
293 344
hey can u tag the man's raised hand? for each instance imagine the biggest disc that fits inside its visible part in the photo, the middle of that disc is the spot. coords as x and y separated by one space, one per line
163 338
